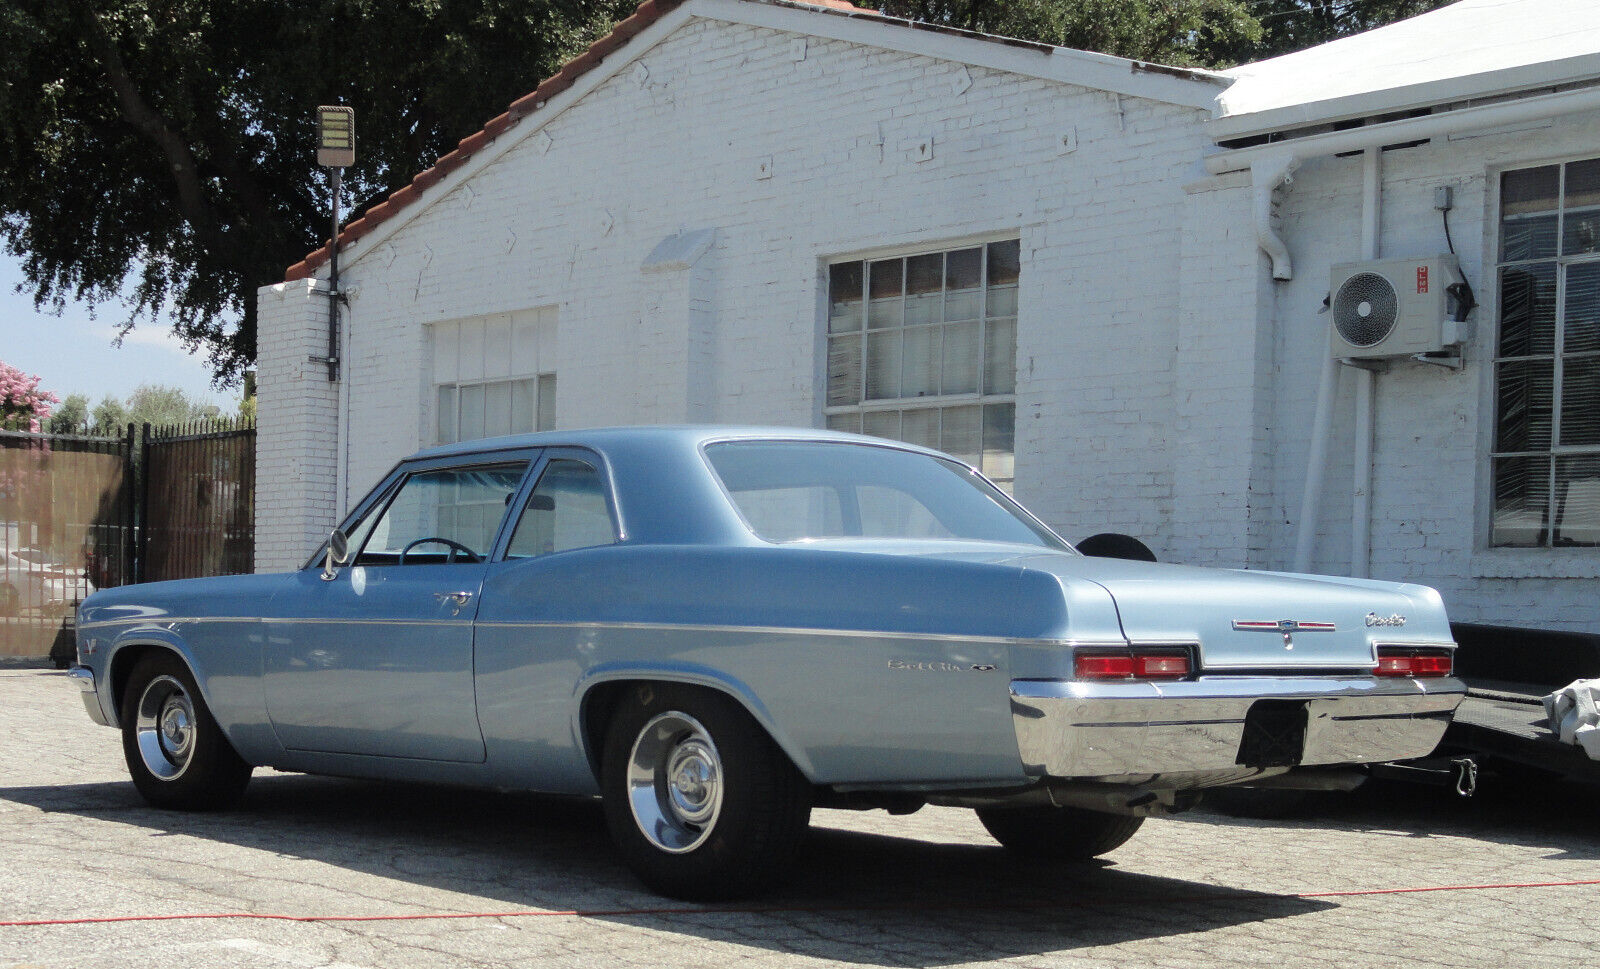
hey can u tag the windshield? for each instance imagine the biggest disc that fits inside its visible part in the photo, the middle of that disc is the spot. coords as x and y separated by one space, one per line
791 491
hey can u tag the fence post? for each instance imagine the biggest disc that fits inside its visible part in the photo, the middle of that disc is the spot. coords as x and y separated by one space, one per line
144 504
130 492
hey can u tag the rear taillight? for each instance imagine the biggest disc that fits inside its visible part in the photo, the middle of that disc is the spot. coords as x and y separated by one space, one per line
1419 661
1131 664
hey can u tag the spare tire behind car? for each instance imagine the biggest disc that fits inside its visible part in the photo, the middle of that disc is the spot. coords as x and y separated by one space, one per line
1110 545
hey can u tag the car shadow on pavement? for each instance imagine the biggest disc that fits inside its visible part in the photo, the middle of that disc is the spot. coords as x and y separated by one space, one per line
1513 806
856 896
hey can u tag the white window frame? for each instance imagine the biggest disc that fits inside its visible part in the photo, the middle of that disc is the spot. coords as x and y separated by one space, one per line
542 409
865 412
1562 262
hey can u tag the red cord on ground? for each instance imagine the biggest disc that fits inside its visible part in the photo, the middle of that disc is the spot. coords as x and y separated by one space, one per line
755 910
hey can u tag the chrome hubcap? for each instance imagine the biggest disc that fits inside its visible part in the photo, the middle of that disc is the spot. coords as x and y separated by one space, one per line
164 727
675 782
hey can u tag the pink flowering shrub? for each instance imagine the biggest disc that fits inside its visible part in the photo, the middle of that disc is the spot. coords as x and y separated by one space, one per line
22 404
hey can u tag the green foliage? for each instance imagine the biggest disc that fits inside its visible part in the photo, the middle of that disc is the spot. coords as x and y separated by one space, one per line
166 149
158 406
110 415
71 416
1177 32
1199 33
1291 25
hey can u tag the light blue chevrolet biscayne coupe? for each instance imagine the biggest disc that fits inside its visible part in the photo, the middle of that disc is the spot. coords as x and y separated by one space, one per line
716 629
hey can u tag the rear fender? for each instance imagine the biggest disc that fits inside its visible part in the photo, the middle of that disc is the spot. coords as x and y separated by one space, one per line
588 727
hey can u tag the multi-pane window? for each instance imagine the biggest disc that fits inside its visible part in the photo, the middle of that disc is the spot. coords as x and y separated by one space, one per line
1546 459
493 375
468 411
923 348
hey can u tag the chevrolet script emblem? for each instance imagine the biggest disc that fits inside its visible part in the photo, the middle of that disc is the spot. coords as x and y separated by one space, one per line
1287 627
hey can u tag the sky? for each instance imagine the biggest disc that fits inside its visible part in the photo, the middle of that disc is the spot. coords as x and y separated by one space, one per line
74 354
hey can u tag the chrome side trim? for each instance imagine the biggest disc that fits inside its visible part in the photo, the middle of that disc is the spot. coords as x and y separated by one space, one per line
1127 732
180 620
810 631
803 631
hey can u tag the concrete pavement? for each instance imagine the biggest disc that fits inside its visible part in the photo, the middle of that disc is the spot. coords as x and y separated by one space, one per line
510 880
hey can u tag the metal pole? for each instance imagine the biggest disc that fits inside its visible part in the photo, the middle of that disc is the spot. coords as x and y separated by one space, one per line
333 285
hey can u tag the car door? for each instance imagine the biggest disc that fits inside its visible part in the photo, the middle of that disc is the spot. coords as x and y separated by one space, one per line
378 659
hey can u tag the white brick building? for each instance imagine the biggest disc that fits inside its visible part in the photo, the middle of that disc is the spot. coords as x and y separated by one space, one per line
1085 273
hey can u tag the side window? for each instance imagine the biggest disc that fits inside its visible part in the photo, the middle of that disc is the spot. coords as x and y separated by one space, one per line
567 510
456 510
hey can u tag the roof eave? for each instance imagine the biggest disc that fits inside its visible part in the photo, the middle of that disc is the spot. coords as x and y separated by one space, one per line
1530 79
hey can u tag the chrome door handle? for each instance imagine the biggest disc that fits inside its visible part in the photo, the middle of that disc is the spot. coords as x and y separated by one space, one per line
456 599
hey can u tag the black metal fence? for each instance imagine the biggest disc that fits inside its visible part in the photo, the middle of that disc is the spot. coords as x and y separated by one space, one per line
198 501
81 512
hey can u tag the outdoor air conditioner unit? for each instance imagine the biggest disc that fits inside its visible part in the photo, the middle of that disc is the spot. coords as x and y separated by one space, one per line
1398 307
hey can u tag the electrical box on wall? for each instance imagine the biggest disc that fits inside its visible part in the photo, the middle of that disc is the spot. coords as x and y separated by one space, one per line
1399 307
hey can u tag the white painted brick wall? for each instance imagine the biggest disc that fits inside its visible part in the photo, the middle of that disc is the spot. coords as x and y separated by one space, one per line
1165 386
630 165
1430 495
297 420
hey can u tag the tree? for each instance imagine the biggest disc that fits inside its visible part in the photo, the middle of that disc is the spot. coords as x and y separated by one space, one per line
1178 32
71 416
158 405
23 406
109 415
165 149
1291 25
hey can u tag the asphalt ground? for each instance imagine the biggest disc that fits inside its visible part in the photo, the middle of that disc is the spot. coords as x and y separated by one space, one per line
316 872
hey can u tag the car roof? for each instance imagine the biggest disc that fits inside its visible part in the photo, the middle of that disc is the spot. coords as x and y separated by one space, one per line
665 492
654 435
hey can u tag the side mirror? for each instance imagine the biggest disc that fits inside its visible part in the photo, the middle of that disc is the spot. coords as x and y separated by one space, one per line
338 554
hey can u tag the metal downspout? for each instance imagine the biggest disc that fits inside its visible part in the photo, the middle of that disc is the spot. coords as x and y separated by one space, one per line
1266 174
1316 460
1366 378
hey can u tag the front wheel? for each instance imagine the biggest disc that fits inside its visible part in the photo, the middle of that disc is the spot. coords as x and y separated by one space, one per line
700 801
1059 833
177 755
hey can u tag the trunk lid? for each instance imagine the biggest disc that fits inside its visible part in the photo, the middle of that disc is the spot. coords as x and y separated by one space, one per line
1260 620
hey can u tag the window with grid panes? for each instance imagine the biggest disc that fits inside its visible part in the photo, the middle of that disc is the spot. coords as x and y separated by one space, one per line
490 408
1546 458
922 348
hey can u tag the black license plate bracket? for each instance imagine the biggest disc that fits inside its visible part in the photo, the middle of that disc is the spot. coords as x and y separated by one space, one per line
1274 734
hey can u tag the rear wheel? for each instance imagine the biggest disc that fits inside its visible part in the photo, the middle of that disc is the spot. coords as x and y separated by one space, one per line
700 801
177 755
1059 833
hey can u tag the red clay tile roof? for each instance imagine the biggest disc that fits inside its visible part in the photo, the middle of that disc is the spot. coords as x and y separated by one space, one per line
648 13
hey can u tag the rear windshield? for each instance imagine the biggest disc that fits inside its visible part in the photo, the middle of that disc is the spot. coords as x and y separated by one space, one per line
790 491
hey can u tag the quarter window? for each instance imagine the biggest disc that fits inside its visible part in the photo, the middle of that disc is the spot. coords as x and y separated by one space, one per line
566 510
923 348
1546 458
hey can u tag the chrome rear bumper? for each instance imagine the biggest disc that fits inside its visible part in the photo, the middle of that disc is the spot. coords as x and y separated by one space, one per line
1129 732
